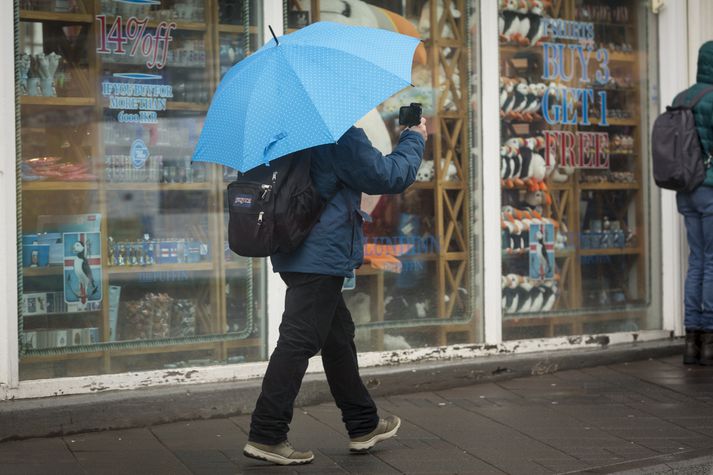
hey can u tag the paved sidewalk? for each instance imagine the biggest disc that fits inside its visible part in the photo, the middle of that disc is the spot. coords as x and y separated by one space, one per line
606 419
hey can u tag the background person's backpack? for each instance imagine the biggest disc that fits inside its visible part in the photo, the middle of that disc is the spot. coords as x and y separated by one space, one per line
273 208
679 161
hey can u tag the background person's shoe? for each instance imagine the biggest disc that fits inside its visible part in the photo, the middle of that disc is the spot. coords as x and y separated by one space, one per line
707 349
384 430
692 350
280 454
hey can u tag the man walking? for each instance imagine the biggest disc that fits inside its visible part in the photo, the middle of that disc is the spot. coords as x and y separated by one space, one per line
697 209
316 317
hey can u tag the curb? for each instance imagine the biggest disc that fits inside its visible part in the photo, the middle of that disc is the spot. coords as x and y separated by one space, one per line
146 407
693 462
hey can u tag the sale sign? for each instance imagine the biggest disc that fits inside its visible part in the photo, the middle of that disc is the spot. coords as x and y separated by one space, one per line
133 37
573 105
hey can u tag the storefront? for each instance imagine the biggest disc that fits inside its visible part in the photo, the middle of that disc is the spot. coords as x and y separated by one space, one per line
533 220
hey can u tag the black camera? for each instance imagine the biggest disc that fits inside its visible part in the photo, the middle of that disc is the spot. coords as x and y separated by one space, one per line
410 115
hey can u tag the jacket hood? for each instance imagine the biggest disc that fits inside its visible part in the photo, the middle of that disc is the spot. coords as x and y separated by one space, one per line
705 63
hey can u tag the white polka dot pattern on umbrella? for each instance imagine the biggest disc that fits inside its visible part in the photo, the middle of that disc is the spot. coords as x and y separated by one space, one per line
306 91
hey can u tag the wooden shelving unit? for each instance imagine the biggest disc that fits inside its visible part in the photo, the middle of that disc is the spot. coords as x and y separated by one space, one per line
44 197
579 267
448 268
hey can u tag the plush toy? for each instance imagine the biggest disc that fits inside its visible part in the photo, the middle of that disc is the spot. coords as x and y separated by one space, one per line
395 342
537 27
424 22
360 13
507 96
510 22
451 173
377 133
425 171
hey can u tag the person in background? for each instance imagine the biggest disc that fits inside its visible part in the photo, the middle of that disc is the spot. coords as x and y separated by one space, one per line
316 317
697 209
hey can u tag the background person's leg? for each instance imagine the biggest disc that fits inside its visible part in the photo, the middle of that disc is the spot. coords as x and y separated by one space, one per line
339 358
310 305
704 204
694 278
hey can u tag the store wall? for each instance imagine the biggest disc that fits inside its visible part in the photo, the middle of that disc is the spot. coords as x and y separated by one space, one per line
421 333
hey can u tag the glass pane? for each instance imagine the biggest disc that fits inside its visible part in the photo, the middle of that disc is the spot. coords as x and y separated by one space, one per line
575 78
418 285
125 258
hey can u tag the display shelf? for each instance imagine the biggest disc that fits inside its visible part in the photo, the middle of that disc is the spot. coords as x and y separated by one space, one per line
129 65
178 24
612 251
184 347
236 29
42 16
609 186
616 122
57 101
233 265
187 106
42 271
622 57
46 185
180 267
141 186
31 356
515 319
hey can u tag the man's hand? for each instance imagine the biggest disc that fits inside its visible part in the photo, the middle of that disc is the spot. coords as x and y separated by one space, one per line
420 128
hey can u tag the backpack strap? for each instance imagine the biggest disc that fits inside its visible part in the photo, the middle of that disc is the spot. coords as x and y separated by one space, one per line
679 101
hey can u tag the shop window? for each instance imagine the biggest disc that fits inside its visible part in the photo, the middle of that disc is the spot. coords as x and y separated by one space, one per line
418 285
575 84
125 260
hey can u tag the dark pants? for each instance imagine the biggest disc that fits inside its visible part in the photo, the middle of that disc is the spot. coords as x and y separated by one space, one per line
315 319
697 209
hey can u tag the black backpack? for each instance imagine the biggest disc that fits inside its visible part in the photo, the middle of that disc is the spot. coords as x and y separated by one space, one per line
272 208
679 161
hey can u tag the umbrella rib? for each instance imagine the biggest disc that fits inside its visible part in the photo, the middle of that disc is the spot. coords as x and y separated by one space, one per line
406 83
304 89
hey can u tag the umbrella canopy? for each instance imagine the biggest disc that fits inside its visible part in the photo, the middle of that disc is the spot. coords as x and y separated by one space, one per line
301 90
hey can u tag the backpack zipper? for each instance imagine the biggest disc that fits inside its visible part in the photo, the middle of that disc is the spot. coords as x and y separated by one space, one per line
259 218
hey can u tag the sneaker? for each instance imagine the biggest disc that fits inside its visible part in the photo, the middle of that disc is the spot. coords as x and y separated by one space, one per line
384 430
280 454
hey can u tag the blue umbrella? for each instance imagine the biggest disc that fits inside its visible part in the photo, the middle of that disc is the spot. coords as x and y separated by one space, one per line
301 90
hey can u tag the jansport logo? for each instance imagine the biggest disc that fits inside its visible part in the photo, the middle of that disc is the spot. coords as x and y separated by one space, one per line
243 201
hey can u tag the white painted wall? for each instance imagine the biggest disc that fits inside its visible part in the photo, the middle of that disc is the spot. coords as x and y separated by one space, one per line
684 26
8 211
672 23
490 67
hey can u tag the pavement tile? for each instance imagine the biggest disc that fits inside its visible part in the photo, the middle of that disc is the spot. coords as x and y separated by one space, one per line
363 463
446 461
578 420
122 440
32 469
201 434
672 432
134 461
206 462
559 466
36 452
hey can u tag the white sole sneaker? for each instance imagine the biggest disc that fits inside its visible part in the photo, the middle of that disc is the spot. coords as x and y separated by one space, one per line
258 454
367 444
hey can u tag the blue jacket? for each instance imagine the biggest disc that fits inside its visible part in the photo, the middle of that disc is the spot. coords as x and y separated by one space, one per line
350 167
